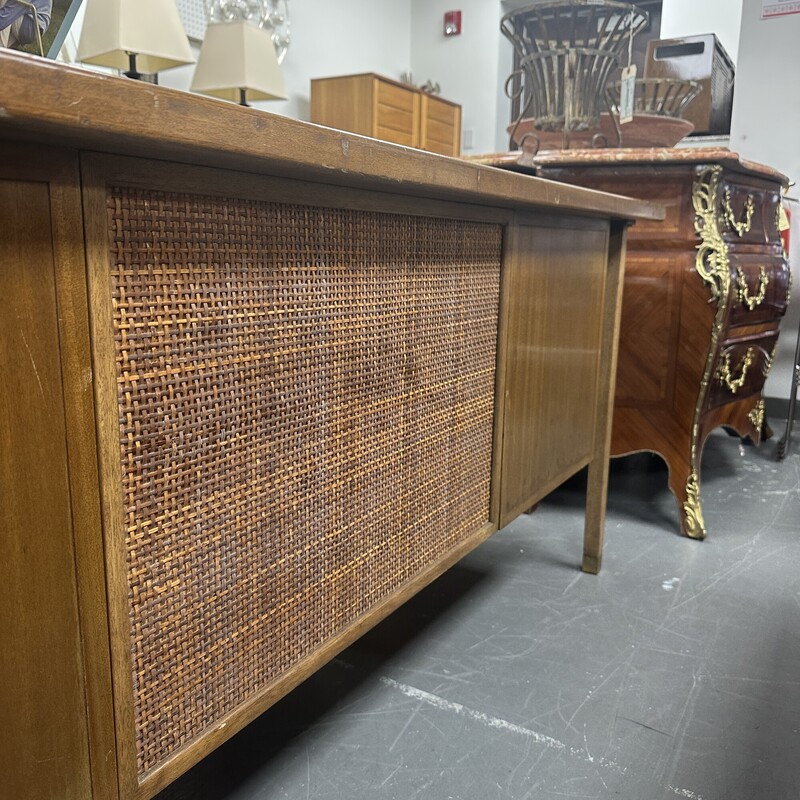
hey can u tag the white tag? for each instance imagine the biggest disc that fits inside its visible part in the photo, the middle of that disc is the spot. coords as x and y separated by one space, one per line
626 92
783 218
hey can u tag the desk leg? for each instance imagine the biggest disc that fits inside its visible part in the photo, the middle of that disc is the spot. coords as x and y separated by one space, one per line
597 486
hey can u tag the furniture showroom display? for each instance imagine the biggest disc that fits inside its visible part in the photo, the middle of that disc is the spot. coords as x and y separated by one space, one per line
263 381
375 106
704 292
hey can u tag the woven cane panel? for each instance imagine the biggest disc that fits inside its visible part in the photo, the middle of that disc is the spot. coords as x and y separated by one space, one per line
306 413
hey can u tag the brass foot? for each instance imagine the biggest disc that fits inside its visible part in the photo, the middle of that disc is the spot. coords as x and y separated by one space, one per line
591 564
694 525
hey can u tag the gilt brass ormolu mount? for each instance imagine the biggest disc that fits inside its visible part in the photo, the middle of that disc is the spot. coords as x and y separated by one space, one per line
743 290
713 265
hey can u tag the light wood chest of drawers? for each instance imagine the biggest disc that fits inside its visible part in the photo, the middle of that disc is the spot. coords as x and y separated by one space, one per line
375 106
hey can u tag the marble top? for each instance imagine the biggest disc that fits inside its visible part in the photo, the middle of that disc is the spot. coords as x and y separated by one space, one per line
523 161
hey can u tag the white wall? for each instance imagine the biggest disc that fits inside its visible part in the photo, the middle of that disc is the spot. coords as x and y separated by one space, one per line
766 101
332 38
465 66
392 36
693 17
342 38
766 121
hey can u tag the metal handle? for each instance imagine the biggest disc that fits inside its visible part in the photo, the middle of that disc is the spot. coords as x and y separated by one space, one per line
730 217
745 297
726 375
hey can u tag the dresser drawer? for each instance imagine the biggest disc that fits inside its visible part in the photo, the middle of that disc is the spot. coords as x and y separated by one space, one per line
384 109
441 126
396 114
741 368
748 213
759 288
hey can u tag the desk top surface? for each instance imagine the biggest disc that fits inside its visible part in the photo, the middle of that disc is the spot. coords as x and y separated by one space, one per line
54 104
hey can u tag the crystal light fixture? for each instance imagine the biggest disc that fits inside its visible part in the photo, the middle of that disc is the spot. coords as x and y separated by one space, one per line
273 15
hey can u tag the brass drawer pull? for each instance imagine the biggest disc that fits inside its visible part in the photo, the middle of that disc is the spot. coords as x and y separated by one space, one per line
726 376
744 290
730 217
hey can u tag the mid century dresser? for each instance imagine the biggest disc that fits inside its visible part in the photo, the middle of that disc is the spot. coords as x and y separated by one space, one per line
373 105
262 382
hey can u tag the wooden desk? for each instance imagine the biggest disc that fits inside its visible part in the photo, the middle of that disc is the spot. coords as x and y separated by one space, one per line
262 382
705 290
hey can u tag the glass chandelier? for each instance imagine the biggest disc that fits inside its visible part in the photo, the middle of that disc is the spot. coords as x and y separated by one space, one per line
272 15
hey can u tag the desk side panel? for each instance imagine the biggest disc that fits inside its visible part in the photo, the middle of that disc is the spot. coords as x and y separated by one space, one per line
556 277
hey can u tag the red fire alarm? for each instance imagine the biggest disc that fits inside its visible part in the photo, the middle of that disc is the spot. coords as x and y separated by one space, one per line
452 23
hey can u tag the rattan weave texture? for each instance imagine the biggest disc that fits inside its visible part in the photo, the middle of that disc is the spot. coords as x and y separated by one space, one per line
306 414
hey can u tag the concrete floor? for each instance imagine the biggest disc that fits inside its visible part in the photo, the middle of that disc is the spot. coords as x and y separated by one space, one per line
674 673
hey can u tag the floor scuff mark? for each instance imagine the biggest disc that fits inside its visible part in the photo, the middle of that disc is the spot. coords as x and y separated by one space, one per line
495 722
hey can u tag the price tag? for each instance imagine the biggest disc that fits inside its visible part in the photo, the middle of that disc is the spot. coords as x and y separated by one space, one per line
783 218
627 89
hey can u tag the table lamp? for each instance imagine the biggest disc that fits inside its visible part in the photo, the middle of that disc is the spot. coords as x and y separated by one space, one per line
237 62
136 36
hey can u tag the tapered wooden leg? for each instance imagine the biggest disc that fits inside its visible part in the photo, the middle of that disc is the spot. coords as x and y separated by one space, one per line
597 486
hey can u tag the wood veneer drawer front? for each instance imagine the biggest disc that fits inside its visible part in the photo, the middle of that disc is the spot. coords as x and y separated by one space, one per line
741 368
438 110
748 213
396 97
396 114
759 289
439 133
440 129
398 135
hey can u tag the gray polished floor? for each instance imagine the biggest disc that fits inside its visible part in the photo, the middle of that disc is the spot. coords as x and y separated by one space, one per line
674 673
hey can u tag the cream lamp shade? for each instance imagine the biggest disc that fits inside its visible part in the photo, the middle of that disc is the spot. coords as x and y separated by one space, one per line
150 31
238 61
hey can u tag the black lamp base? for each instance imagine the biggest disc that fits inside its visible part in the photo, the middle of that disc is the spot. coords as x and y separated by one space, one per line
132 72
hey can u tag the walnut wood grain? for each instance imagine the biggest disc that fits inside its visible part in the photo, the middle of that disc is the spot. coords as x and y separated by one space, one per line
554 340
67 646
44 736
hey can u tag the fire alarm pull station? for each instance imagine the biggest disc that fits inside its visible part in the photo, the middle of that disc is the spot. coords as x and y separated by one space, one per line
452 23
